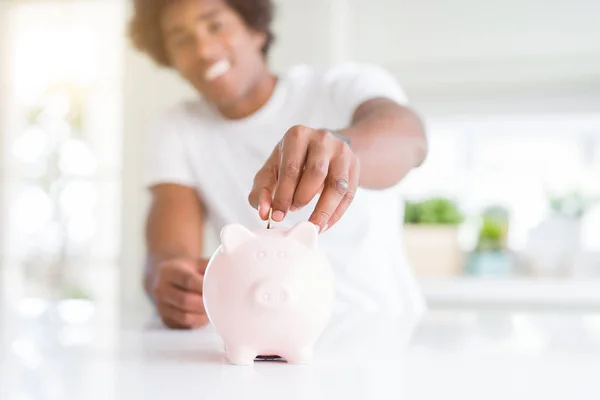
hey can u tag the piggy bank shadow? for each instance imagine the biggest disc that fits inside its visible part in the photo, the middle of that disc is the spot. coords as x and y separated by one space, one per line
366 337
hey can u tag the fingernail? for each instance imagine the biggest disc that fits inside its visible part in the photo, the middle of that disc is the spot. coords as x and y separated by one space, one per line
260 210
294 208
278 216
325 228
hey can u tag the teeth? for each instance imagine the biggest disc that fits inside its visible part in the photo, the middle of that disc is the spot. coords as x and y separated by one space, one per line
217 69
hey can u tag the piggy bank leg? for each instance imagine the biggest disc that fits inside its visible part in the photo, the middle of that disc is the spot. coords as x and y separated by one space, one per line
299 355
240 355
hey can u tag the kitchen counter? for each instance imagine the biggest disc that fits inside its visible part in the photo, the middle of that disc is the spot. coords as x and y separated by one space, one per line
449 355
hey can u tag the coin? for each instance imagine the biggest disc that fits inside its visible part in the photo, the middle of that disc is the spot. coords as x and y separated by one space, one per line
270 218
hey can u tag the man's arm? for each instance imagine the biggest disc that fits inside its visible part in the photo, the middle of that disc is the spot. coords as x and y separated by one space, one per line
174 269
174 227
389 140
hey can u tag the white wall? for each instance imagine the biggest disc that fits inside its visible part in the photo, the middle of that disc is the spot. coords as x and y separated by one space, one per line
441 31
458 56
493 52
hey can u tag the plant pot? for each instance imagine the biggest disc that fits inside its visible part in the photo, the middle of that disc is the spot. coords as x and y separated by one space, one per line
553 247
433 250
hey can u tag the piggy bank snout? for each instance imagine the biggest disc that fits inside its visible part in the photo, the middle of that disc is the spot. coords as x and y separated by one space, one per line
272 294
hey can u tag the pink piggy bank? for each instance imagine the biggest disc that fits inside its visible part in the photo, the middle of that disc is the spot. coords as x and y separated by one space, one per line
269 292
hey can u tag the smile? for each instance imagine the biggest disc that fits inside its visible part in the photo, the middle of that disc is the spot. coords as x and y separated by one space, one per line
217 70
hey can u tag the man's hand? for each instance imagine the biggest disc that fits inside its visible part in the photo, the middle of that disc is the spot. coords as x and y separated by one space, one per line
177 292
307 162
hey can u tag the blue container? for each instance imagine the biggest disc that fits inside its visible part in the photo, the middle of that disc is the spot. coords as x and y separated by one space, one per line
492 263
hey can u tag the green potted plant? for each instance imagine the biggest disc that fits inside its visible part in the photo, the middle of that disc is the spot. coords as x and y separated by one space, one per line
431 237
491 255
573 205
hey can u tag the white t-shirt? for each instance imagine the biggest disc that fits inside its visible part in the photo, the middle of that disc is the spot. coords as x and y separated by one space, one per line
195 146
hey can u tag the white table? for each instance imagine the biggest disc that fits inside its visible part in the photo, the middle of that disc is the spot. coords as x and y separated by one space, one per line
451 355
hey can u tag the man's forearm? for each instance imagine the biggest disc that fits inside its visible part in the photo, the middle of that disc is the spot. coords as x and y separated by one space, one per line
174 229
389 141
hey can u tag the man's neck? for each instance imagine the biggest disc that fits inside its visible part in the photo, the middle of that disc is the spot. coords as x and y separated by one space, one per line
257 97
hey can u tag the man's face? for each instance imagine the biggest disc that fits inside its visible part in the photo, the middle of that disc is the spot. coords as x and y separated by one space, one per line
211 46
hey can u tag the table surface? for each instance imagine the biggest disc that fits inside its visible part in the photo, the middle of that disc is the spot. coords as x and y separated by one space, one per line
449 354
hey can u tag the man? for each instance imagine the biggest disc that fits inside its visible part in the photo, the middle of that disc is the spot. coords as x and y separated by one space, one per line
325 146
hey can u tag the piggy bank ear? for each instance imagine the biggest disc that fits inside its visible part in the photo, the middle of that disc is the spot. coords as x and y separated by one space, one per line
306 233
234 235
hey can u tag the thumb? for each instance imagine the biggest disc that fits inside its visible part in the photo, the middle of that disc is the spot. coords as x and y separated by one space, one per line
264 186
201 265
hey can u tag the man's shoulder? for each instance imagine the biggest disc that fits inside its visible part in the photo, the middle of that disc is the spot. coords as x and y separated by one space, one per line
327 78
338 74
315 71
354 70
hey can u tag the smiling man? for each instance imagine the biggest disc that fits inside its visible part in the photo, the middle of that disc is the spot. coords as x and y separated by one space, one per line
327 146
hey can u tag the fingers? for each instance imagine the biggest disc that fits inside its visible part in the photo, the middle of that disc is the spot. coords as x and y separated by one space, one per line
265 199
261 195
349 196
313 176
178 319
178 293
182 274
337 185
182 300
293 157
306 163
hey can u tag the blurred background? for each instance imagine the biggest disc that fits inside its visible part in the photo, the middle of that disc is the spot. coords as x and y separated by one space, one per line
505 211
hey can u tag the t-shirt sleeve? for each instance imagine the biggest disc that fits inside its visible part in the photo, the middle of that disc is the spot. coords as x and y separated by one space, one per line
166 159
350 85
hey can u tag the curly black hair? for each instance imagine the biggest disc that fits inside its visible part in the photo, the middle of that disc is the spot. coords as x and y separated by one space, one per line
146 34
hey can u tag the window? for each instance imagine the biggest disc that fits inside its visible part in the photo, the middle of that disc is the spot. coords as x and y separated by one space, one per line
61 142
535 168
